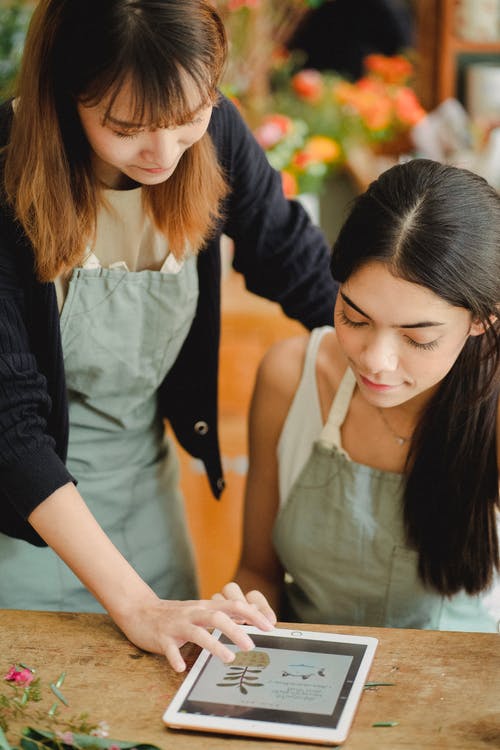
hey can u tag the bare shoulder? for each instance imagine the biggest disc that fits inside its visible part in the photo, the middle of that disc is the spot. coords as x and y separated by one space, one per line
280 372
281 367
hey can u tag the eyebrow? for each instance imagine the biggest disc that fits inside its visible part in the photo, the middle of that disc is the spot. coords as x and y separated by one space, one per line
421 324
139 126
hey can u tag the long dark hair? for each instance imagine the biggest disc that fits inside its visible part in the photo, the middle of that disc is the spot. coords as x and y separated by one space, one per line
85 50
439 226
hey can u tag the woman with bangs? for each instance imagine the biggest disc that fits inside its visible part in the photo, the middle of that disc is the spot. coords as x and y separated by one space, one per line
122 165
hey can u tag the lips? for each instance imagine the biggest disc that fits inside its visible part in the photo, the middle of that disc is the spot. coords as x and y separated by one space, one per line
377 386
154 170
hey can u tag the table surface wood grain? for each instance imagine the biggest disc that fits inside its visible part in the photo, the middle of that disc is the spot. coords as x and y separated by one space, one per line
446 691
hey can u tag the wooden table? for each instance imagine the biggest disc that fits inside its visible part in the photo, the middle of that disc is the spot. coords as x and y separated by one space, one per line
446 692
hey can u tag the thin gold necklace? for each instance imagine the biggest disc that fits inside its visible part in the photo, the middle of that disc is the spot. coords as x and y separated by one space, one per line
400 440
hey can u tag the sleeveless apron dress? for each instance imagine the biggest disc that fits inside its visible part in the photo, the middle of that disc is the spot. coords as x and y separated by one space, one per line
121 333
341 540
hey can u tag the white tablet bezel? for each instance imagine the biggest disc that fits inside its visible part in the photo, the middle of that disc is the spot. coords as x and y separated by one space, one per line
174 718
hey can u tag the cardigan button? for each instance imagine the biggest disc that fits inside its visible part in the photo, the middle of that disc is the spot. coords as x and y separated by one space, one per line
220 484
201 427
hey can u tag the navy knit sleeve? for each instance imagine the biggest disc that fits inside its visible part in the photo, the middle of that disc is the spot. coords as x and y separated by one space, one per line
30 469
278 250
32 433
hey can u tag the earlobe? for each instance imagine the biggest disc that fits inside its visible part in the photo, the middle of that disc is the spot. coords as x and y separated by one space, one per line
477 327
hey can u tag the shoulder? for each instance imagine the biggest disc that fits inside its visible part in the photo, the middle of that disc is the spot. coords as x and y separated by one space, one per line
281 368
277 380
234 142
225 121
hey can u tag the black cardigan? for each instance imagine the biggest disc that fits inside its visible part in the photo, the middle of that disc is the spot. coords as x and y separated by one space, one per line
282 257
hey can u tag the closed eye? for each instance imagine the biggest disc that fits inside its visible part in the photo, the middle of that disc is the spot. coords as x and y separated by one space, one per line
348 322
426 347
125 134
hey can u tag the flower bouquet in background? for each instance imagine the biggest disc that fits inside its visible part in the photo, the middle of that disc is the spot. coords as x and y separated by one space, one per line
383 101
314 118
303 158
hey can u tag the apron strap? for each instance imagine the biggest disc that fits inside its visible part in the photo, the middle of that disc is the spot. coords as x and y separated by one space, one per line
330 435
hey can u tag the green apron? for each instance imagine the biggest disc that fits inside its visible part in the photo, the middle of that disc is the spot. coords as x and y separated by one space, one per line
121 333
341 540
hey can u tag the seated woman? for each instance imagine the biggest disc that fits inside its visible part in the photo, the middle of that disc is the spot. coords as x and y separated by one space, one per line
373 490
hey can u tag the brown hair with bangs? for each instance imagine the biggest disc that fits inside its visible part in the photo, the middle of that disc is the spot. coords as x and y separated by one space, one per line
85 52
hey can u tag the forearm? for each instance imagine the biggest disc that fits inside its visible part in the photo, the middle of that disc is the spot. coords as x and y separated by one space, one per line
64 521
161 626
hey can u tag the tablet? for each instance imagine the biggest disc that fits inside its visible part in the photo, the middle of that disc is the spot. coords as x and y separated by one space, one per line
294 685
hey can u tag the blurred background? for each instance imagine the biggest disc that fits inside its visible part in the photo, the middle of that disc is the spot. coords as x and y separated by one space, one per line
335 91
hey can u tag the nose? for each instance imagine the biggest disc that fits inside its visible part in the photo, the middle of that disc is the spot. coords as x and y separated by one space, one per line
162 149
379 355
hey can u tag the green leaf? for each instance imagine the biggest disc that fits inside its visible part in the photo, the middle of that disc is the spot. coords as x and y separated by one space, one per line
58 693
60 679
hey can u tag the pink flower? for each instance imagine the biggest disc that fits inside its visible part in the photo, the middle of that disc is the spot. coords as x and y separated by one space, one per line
19 676
273 129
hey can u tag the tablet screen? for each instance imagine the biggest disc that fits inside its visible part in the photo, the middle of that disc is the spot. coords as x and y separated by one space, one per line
284 680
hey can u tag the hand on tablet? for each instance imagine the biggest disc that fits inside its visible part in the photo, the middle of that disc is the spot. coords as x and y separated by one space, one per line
232 592
162 627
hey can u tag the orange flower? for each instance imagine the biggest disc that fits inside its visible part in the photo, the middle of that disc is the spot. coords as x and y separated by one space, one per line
394 70
343 92
377 113
301 160
321 148
289 182
407 107
370 99
308 84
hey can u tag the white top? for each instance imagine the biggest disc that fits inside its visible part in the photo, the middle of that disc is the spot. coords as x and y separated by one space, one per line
303 423
126 239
